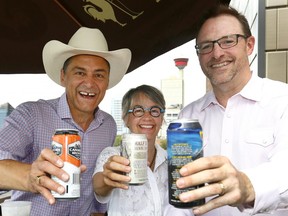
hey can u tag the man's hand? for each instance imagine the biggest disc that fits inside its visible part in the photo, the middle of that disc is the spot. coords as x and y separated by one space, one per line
47 164
227 184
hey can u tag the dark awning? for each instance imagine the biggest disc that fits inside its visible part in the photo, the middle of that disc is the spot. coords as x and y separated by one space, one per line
148 27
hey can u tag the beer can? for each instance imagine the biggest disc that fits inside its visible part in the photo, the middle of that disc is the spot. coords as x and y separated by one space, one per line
66 143
184 144
135 148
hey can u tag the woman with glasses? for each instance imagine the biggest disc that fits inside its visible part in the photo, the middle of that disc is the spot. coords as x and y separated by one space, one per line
143 113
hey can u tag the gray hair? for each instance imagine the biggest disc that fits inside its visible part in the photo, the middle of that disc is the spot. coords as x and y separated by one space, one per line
151 92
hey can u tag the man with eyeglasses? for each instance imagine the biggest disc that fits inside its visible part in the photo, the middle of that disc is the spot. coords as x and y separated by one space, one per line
244 120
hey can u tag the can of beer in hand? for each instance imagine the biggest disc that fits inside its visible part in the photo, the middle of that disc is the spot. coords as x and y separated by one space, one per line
135 148
184 144
66 143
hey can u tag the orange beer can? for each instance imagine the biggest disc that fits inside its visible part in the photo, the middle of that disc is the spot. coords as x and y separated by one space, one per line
66 143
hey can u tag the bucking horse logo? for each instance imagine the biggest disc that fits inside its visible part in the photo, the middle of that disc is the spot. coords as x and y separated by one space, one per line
103 10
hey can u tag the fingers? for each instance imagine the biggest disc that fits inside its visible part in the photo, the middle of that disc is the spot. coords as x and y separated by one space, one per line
49 155
117 164
83 168
203 163
226 196
212 204
201 191
205 176
119 159
118 183
42 185
205 170
217 190
223 188
38 178
114 172
47 182
47 164
222 181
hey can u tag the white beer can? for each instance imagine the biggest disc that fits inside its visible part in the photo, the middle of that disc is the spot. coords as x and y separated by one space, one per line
135 148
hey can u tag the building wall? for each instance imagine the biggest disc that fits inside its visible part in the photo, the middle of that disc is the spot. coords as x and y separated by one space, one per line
116 112
277 40
172 90
250 8
271 31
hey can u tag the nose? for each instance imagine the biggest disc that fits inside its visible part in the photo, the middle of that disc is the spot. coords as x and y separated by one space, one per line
89 81
217 51
147 113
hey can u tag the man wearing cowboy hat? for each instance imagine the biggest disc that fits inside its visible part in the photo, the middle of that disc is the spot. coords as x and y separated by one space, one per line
86 69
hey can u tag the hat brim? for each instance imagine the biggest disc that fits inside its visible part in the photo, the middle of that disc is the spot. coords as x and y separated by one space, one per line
56 53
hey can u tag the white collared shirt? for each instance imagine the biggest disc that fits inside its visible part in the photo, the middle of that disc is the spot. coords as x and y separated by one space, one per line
149 199
252 131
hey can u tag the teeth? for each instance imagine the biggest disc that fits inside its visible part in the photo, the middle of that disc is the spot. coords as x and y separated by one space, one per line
146 126
87 94
84 93
220 65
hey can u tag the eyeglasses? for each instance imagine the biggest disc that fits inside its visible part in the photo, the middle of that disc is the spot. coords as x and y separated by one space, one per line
224 42
139 111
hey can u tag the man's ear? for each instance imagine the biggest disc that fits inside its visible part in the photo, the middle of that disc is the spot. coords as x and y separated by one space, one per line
62 77
250 45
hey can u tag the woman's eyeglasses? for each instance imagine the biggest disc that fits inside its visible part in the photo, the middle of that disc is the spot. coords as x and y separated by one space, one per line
139 111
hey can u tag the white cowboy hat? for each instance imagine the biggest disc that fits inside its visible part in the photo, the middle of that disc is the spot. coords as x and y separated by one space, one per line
85 41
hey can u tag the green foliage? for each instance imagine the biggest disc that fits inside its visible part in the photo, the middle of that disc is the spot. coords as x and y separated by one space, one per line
163 143
117 141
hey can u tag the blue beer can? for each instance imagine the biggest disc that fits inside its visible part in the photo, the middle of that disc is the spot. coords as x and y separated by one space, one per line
184 145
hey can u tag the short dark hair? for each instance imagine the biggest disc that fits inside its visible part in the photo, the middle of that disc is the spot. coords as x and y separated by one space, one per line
225 10
68 61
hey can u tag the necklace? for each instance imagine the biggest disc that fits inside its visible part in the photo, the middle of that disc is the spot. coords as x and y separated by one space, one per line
153 159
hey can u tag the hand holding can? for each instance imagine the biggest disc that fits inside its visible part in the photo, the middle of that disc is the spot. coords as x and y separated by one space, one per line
184 144
66 143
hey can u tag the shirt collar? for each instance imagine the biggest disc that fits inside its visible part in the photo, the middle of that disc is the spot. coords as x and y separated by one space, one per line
209 99
251 91
161 156
63 108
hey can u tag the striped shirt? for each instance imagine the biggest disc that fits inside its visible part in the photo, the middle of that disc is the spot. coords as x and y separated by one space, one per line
29 129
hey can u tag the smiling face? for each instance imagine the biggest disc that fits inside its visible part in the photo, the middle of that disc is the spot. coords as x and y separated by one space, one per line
145 124
86 80
223 66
